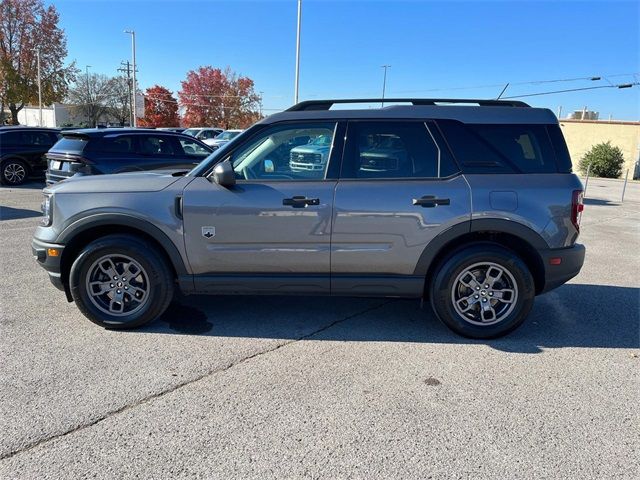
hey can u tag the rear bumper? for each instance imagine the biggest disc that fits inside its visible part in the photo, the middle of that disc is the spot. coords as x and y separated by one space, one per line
570 260
51 263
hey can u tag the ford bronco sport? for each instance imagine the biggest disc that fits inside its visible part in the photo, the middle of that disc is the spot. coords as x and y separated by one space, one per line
470 204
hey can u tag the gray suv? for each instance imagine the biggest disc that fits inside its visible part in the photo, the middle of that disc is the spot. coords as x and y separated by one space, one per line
470 204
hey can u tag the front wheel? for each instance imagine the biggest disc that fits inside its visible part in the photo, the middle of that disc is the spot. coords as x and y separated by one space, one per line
121 281
483 291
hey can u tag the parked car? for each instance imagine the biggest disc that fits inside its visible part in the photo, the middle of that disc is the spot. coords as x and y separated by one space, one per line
473 208
312 156
203 133
22 151
222 138
172 129
100 151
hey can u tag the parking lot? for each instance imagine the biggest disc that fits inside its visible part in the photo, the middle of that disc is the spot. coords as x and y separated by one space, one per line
290 387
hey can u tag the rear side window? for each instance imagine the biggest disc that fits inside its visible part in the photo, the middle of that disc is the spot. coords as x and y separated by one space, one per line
390 150
120 144
10 139
156 145
504 148
71 144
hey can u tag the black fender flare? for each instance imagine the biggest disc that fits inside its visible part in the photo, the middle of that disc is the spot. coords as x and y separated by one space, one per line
434 248
121 219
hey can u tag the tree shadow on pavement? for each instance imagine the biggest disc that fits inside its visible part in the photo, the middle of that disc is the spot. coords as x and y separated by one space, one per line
574 315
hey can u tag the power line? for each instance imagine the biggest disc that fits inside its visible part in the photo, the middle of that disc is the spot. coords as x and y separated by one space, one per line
624 85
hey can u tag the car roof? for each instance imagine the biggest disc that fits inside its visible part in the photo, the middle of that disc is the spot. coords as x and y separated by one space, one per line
103 132
485 111
8 128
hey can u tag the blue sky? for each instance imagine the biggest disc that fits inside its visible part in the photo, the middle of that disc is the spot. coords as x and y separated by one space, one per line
434 48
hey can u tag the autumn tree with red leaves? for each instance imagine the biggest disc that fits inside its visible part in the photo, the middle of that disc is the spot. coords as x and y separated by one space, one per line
27 26
212 97
160 108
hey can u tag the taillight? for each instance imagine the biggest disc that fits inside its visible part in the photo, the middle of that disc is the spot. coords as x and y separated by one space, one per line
577 206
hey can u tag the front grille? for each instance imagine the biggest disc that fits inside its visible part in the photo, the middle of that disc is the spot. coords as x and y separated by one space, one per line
302 157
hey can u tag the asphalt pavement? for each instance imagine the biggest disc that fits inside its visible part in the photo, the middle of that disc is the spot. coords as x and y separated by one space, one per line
299 387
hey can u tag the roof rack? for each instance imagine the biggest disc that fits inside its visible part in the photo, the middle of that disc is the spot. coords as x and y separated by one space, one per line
327 104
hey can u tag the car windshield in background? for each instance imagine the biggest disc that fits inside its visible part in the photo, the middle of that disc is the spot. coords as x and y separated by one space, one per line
322 140
227 135
191 131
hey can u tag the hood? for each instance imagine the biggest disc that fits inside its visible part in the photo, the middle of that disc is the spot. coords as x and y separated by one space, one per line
134 182
311 149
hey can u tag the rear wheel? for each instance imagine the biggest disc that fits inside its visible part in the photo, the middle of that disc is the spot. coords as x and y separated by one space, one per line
13 172
482 291
121 281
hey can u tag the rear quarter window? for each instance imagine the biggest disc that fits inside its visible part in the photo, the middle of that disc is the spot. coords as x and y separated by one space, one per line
501 148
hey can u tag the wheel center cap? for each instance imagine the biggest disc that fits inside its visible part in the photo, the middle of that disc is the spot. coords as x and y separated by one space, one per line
483 292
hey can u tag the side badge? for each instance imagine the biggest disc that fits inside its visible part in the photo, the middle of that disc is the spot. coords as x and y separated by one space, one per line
208 232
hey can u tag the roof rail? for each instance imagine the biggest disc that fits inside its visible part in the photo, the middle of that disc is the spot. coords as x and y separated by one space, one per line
327 104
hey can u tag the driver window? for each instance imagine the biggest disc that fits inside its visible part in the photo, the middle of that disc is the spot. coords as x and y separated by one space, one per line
286 152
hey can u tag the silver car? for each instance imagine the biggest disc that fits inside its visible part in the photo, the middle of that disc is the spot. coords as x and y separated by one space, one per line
471 207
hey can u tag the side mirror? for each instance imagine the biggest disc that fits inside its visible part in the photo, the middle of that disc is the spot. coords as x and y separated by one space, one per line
224 175
268 166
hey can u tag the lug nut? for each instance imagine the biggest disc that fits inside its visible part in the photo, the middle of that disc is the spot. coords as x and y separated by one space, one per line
115 278
476 296
484 299
491 294
477 288
118 291
126 288
112 285
486 286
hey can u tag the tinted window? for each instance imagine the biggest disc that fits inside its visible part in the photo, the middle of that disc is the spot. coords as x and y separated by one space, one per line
563 159
156 145
390 150
70 144
191 147
473 154
36 139
120 144
10 138
286 152
527 147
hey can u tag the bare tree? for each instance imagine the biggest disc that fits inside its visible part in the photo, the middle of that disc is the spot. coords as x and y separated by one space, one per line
90 97
119 101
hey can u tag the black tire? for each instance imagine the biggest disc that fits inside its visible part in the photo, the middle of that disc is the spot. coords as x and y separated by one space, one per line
447 286
155 278
13 172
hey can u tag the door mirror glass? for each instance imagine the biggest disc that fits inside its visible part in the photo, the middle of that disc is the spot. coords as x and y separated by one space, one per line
224 175
269 167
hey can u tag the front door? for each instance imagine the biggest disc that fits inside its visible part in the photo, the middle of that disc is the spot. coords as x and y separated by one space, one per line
271 232
398 189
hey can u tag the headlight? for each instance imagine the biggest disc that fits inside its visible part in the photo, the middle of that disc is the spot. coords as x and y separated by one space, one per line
46 209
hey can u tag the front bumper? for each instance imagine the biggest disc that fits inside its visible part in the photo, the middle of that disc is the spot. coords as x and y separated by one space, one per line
48 256
561 265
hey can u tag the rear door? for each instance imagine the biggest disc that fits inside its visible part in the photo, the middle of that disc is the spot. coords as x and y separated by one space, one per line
399 188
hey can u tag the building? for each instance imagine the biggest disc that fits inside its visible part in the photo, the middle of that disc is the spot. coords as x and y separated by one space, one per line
581 135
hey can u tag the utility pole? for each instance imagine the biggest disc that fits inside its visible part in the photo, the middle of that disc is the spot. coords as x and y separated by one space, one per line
134 87
39 87
384 83
295 92
126 68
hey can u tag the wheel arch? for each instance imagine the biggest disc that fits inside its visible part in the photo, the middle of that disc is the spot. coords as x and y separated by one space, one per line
81 233
519 238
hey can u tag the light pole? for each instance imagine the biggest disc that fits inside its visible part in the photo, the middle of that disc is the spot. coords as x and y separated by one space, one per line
295 94
384 83
134 89
39 87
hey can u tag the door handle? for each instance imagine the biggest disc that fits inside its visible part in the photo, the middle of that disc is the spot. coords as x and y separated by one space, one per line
300 201
430 201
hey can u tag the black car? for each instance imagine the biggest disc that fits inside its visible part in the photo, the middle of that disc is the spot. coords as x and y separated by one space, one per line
99 151
22 151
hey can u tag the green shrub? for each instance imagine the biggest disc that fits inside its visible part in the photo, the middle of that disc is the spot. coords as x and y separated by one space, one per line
606 161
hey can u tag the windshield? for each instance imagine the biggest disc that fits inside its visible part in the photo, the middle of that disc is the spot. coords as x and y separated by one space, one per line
191 131
322 140
227 135
220 153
